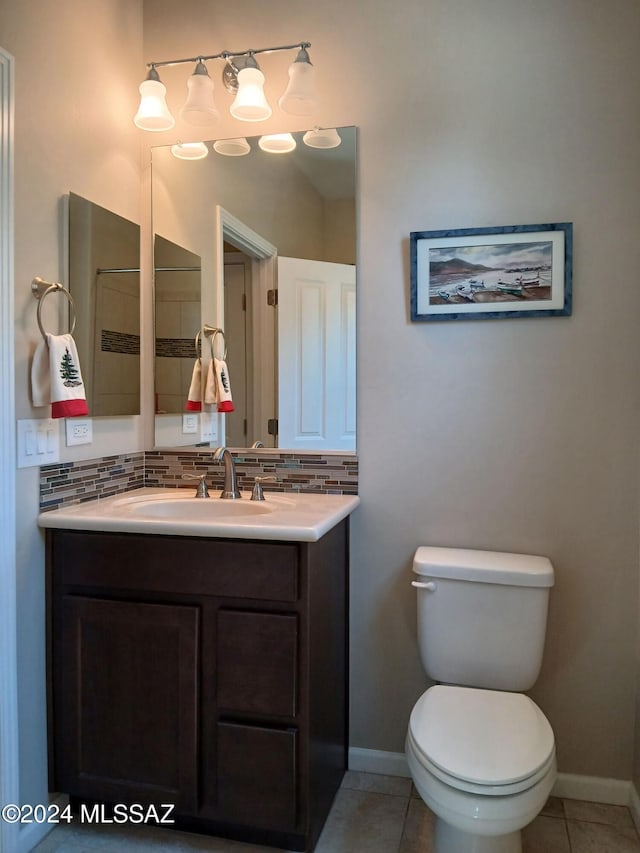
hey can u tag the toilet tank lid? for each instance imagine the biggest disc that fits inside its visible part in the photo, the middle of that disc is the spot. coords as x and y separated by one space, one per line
483 566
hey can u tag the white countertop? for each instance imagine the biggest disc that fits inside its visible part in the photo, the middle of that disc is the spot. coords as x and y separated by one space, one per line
289 516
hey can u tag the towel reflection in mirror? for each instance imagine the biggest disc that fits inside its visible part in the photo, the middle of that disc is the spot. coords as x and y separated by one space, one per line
212 385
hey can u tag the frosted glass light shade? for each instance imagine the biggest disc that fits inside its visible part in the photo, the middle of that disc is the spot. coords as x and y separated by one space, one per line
189 150
300 98
237 147
250 103
327 137
153 112
277 143
199 108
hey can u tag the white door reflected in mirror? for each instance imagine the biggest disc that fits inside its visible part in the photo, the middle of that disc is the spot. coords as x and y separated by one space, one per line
316 355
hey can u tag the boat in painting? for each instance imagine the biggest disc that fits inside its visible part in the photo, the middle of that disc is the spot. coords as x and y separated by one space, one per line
510 287
465 291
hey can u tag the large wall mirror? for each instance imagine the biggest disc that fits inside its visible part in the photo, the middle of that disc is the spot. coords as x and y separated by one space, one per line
104 280
261 245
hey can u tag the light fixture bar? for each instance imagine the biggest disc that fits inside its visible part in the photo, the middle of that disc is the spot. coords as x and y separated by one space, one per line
229 54
242 77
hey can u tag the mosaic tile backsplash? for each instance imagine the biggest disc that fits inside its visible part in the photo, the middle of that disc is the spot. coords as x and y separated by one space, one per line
68 483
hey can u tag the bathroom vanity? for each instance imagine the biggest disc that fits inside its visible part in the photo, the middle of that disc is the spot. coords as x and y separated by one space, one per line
208 672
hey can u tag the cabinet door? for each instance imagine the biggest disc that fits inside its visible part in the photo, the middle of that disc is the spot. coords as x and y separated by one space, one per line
257 775
257 662
125 702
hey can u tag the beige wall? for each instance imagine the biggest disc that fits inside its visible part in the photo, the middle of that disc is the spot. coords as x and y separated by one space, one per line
265 192
77 67
515 435
341 240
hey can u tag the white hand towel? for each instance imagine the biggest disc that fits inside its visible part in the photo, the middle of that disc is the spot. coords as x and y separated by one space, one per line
223 386
194 397
56 377
40 377
211 386
218 390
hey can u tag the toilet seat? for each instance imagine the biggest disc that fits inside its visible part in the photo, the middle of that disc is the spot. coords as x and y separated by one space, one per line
482 741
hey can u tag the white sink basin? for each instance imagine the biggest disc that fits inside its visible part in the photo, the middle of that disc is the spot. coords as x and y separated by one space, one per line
291 516
198 509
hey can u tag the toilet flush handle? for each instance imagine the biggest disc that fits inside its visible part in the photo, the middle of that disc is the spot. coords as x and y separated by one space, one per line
429 586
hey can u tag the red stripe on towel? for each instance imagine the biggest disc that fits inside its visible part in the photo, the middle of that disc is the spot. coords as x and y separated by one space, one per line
69 409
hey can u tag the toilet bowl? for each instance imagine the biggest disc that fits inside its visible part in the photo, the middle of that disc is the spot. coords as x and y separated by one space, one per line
484 763
481 752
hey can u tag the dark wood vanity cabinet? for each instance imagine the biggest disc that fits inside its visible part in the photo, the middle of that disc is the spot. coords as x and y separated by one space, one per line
208 673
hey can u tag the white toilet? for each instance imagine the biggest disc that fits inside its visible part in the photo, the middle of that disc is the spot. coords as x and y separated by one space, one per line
481 753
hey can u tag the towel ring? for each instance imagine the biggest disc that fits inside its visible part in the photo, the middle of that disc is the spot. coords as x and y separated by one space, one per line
215 334
197 344
41 289
213 331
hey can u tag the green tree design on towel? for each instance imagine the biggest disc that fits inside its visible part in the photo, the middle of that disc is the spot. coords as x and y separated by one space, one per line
68 370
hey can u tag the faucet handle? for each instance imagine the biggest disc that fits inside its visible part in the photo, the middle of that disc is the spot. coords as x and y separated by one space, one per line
201 491
257 493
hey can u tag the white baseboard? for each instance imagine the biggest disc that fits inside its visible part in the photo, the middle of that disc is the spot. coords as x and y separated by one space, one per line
378 761
595 789
31 835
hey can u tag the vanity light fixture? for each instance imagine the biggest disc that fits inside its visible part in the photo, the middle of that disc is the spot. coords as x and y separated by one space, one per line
189 150
153 112
250 103
300 97
237 147
241 76
199 108
327 137
277 143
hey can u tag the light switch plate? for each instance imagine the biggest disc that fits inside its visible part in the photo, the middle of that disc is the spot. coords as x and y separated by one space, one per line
38 442
190 423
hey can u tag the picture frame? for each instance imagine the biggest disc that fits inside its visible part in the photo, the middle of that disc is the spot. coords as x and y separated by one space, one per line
506 272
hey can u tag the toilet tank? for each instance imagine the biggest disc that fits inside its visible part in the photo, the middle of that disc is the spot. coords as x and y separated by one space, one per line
482 616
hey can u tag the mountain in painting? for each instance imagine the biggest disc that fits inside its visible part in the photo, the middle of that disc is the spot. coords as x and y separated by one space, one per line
455 266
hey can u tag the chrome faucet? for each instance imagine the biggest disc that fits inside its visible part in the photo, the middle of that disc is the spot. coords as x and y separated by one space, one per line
230 490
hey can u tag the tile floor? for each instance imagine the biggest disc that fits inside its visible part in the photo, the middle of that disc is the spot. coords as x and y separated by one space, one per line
376 814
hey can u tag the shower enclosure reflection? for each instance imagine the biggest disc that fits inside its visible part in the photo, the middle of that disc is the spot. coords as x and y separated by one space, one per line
177 319
104 280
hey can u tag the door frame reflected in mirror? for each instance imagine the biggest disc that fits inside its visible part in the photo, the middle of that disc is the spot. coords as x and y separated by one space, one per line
264 256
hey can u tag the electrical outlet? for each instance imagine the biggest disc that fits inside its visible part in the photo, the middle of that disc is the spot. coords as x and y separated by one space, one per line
79 431
190 423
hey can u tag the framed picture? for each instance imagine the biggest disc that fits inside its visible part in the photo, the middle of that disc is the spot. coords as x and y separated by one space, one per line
480 273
